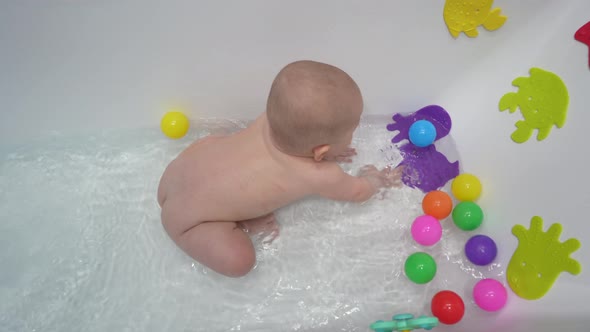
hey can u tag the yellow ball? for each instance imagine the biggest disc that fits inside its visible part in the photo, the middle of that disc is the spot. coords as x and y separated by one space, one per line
466 187
174 124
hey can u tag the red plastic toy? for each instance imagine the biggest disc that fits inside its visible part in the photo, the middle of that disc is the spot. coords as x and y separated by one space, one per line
583 36
448 307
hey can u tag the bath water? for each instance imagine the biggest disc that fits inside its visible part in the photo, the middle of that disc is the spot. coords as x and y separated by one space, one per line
82 247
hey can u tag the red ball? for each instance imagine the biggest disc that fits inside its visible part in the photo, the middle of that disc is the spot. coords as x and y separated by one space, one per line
448 307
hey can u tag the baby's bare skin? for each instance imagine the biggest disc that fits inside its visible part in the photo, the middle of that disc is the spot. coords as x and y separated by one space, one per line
222 186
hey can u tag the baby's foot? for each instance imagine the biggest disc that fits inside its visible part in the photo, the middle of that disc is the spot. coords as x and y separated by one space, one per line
265 226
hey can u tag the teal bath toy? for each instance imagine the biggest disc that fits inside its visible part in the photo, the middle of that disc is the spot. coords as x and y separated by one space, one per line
405 322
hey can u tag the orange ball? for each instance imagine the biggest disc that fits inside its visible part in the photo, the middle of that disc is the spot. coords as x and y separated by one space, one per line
437 204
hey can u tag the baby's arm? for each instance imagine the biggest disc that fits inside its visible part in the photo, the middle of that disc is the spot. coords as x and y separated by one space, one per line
338 185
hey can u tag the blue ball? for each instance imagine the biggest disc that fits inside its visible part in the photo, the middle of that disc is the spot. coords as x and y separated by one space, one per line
422 133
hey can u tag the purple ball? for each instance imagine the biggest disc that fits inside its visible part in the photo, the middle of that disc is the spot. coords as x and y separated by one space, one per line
480 250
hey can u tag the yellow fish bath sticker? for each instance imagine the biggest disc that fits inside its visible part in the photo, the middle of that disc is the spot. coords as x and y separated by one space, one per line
466 15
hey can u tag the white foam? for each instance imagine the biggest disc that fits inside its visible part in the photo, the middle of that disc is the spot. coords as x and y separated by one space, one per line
82 247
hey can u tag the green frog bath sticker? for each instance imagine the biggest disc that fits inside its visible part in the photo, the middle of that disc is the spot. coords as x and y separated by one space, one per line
542 99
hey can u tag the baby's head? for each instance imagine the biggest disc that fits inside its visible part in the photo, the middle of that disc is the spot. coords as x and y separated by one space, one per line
313 109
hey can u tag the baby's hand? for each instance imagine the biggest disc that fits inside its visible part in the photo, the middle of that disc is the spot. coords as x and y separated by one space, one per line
386 178
344 157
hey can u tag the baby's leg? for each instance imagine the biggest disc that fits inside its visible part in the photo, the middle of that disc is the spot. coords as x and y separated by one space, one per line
221 246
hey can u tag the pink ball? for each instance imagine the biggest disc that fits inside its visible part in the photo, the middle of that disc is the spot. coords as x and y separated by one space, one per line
426 230
490 294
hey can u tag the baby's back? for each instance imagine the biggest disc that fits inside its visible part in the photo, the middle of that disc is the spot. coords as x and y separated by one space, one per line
231 178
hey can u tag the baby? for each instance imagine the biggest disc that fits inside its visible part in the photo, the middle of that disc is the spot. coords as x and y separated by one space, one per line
221 188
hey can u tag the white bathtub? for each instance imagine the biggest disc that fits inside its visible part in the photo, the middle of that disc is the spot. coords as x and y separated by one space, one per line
77 67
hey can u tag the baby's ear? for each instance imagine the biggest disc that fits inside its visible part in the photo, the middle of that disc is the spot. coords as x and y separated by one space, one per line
319 152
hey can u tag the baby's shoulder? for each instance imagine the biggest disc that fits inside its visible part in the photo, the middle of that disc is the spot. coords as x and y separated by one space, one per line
322 172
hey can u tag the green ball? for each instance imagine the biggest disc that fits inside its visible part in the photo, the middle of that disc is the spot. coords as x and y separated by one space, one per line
467 216
420 267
